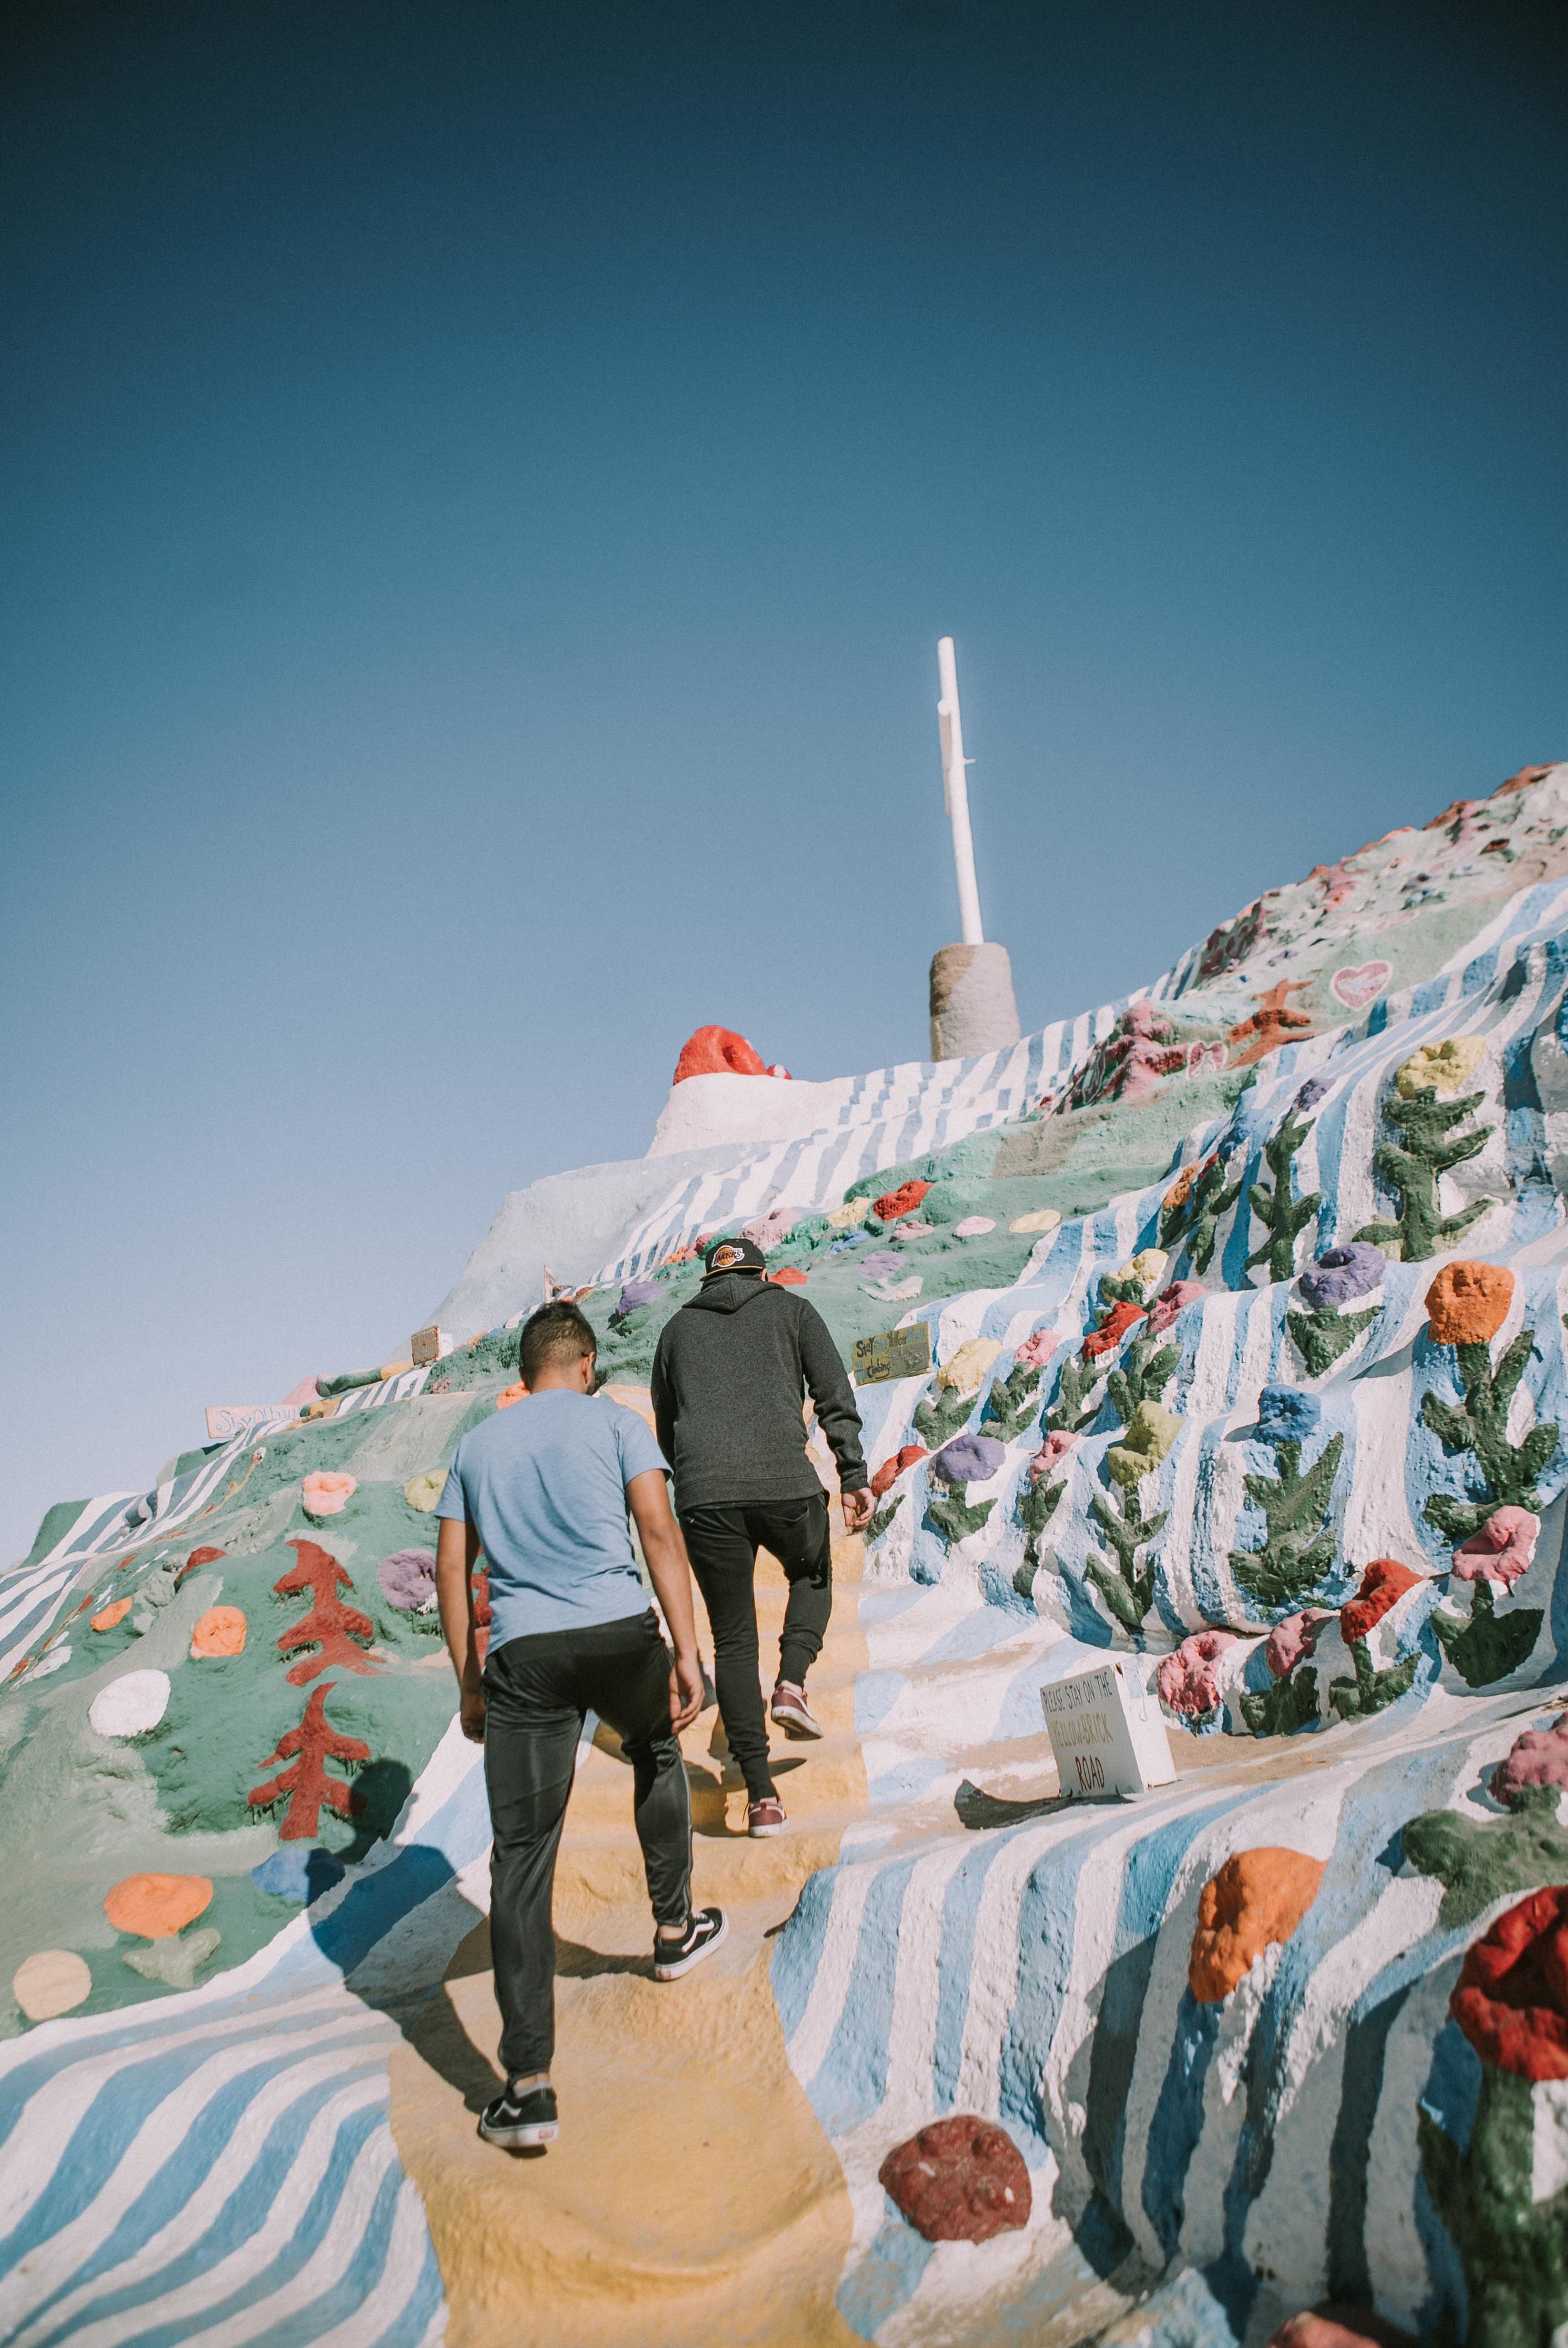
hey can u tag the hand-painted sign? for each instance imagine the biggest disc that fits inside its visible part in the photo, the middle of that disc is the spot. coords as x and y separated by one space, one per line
1106 1733
227 1419
892 1354
428 1346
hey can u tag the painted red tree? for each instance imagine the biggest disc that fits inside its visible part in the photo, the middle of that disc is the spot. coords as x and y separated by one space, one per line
306 1784
331 1627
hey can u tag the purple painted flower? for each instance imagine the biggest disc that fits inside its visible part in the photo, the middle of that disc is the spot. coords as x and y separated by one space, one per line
968 1460
1342 1273
407 1579
636 1292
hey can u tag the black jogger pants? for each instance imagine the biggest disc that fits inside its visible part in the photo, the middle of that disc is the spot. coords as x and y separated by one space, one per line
723 1545
537 1691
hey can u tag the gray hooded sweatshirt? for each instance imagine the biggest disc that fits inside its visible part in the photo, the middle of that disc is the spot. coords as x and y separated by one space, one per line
731 1373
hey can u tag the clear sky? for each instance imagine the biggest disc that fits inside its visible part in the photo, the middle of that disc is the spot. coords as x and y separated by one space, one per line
482 486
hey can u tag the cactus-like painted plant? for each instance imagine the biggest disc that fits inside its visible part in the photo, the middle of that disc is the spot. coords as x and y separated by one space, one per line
1147 1369
1413 1172
1298 1548
1289 1705
1013 1401
1490 1646
1371 1690
1283 1215
939 1415
1322 1337
1480 1426
955 1519
1129 1592
1194 1222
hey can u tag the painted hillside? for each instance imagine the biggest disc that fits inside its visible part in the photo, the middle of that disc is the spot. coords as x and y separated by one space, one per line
1246 1315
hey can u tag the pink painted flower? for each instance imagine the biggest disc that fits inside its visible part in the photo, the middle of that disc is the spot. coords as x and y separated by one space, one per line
1502 1550
1036 1351
1292 1640
1050 1455
326 1492
1171 1301
1538 1757
1188 1681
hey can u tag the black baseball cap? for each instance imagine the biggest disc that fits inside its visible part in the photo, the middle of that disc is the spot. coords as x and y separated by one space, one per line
732 1255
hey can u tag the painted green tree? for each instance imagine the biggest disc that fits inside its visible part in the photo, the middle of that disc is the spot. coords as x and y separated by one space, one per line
1013 1401
1129 1590
1289 1705
1480 1426
955 1519
1194 1222
1413 1169
1145 1370
1322 1337
1489 1645
1281 1214
1370 1691
1298 1544
939 1415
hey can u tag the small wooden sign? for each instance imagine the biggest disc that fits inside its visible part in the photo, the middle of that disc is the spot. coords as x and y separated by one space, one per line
428 1346
1106 1733
892 1354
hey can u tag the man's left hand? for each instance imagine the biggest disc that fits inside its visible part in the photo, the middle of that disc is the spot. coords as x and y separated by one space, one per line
471 1713
858 1509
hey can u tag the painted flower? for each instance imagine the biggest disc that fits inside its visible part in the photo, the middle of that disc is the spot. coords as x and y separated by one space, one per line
1036 1351
1188 1680
1294 1640
887 1474
1052 1454
1172 1301
328 1492
1504 1549
1511 1996
1112 1328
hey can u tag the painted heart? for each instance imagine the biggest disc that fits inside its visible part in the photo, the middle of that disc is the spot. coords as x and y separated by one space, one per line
1359 984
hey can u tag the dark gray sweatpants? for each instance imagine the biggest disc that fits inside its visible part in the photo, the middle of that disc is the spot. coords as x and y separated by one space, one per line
537 1691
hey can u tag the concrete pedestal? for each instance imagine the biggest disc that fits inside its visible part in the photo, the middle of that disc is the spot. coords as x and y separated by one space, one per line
972 1007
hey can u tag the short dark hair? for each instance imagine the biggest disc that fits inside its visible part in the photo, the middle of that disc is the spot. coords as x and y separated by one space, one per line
556 1333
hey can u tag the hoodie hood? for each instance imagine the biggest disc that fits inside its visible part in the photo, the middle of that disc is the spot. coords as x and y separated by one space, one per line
728 1292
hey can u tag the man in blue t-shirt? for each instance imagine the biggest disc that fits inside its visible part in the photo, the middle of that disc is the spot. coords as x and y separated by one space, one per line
543 1489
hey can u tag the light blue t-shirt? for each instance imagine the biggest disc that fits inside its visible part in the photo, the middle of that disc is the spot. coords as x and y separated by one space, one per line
544 1485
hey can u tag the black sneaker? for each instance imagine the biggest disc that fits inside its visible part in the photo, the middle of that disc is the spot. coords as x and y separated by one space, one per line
707 1928
517 2122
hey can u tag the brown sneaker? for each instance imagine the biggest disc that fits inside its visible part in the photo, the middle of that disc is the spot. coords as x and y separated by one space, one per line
765 1817
792 1713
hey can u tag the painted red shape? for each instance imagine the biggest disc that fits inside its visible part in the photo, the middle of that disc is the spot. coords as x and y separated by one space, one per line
720 1052
1272 1024
788 1278
198 1557
1511 1996
306 1786
895 1204
959 2181
330 1626
1361 2328
887 1474
1383 1585
1113 1328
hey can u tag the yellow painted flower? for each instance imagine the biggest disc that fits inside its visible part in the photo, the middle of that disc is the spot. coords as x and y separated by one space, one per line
1448 1066
968 1365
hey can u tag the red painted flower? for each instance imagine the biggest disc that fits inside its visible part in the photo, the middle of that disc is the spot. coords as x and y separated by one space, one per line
894 1205
1112 1328
1511 1997
1383 1585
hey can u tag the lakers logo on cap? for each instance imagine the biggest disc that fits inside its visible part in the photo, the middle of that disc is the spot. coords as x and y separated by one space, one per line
724 1259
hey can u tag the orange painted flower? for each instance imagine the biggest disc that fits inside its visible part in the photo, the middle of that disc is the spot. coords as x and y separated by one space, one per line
157 1905
112 1614
327 1492
220 1632
509 1394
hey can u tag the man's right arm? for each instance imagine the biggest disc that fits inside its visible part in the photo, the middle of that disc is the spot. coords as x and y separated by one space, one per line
671 1575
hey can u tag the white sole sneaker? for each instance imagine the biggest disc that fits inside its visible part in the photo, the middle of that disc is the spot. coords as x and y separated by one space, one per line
794 1715
671 1969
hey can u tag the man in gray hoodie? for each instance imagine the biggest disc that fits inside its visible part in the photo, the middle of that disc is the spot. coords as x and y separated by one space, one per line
730 1377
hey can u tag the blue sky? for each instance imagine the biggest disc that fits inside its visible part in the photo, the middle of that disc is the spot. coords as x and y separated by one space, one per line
482 486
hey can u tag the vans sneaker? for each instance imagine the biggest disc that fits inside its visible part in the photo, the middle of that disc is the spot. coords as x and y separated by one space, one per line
704 1931
792 1712
764 1818
517 2122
